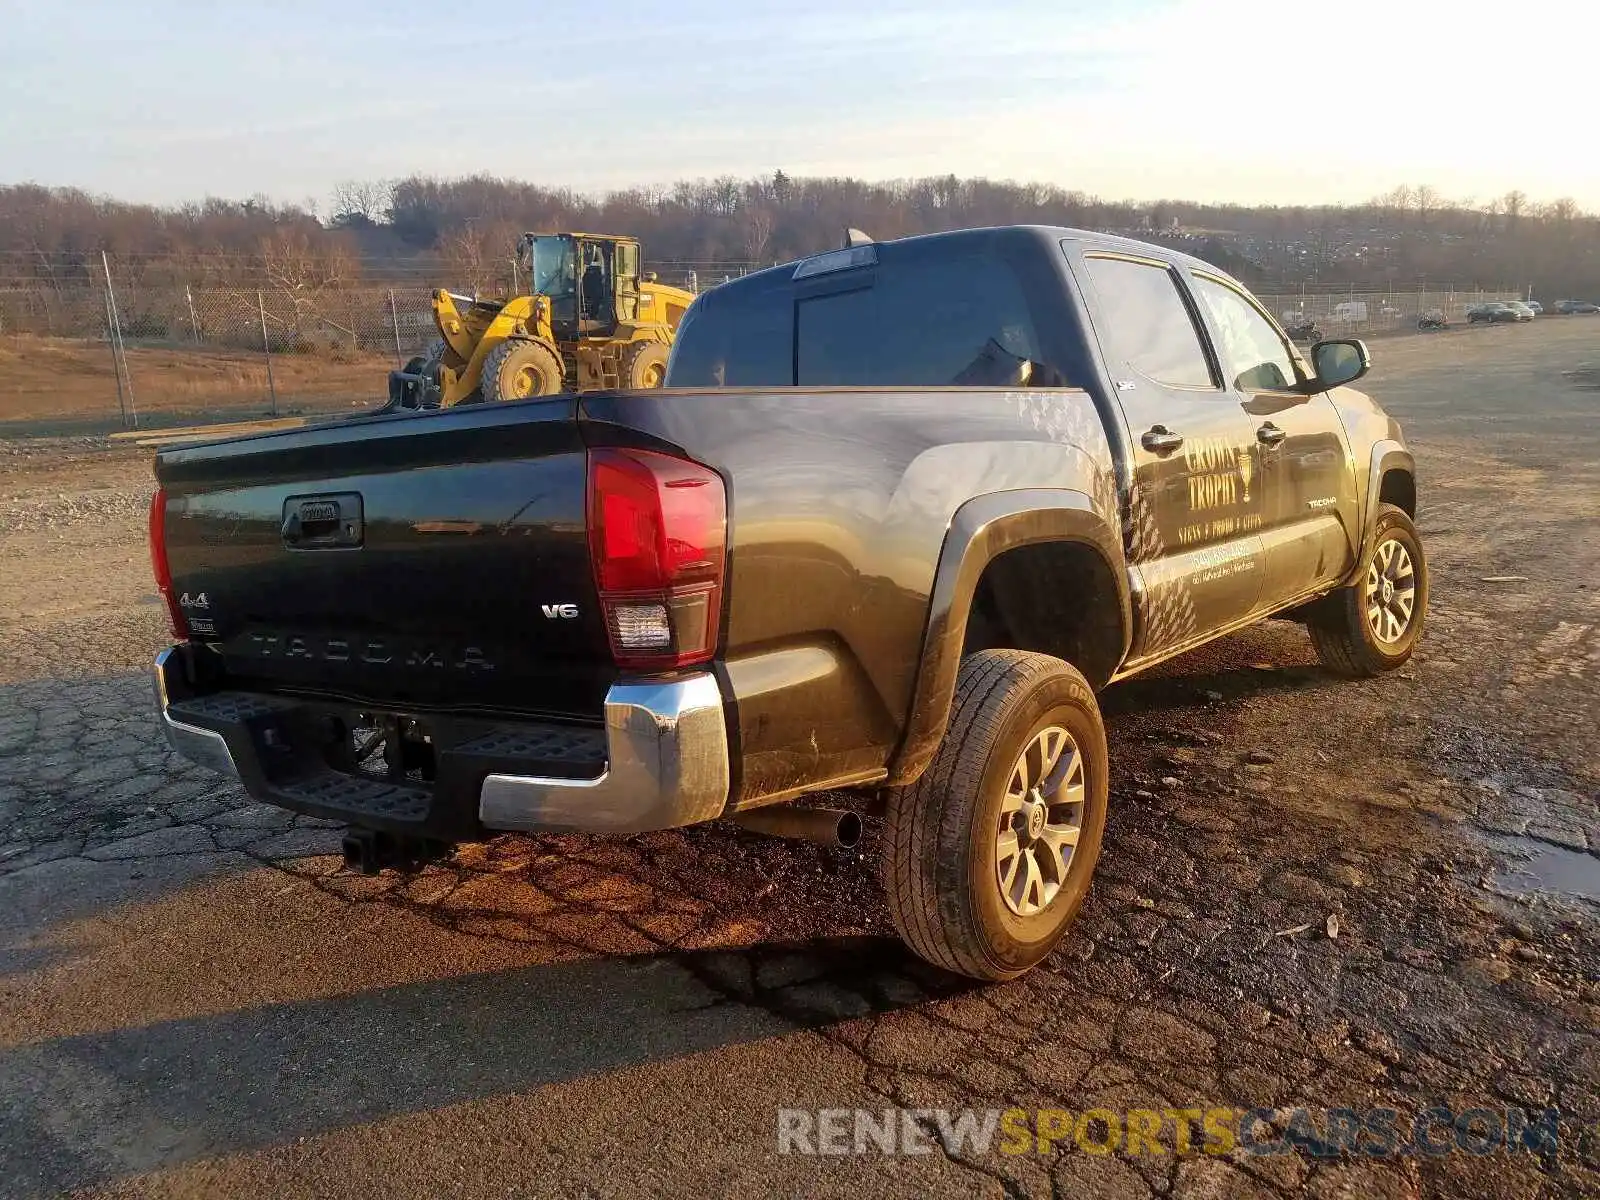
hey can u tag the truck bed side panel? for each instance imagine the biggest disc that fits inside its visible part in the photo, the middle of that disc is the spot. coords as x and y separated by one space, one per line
839 502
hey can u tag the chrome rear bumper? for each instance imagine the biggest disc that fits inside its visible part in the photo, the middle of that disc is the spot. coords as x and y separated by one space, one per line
665 761
203 746
666 765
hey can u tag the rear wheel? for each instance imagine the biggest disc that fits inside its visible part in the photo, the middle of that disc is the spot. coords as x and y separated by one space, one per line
644 365
1373 625
519 368
988 856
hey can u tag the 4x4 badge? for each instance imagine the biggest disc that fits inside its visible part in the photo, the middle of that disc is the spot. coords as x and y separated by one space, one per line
199 601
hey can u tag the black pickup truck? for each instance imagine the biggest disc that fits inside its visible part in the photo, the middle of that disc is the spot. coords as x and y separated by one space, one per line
901 510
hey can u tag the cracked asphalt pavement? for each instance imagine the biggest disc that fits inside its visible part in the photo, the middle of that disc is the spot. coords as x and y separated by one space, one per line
1314 893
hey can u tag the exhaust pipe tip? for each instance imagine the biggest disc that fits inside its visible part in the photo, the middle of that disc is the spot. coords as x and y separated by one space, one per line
827 826
848 831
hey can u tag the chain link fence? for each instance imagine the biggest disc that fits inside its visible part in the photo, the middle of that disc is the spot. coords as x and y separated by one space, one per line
1353 312
88 354
91 354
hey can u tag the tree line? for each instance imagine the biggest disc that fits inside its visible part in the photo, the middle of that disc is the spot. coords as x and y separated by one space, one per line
460 231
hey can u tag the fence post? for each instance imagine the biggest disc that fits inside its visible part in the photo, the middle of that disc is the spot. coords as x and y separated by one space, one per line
266 348
116 364
130 414
194 321
394 319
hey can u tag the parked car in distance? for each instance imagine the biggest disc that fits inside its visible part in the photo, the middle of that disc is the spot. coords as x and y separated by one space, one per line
1577 306
1538 309
1494 312
1524 313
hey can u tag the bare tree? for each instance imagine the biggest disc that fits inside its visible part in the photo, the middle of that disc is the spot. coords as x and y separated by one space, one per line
757 231
725 191
479 255
1426 199
302 271
1563 211
1513 202
357 201
1397 203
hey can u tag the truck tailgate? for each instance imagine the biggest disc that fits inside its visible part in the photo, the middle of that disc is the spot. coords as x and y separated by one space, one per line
389 561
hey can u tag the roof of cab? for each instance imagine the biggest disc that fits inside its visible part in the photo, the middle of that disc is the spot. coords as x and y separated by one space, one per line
1052 233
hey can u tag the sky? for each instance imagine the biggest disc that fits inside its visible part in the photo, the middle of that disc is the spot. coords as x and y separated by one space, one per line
1251 101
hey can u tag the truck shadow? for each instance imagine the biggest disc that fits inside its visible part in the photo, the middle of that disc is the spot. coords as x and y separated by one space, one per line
93 1108
1269 658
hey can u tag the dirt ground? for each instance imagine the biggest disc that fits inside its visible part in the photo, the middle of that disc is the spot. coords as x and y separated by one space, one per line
68 386
196 1000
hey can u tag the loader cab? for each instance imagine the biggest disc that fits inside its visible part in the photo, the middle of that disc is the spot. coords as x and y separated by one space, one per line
592 282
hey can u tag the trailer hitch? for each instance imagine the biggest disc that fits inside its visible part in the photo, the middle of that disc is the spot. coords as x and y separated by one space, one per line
371 850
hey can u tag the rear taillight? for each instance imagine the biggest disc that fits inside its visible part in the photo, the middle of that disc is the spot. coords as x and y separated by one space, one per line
657 529
160 565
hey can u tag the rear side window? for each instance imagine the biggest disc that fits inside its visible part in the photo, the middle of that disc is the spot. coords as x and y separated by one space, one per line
922 323
1142 320
740 338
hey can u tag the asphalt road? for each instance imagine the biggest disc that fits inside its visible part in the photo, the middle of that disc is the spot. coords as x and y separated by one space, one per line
196 1000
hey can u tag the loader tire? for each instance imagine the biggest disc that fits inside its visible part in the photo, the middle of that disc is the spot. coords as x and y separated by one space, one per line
1022 768
519 368
644 365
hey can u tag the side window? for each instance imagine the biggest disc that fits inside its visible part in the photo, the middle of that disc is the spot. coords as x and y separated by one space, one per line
1144 321
1254 357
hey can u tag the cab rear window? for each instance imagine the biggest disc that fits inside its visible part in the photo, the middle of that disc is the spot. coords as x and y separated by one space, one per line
916 322
920 324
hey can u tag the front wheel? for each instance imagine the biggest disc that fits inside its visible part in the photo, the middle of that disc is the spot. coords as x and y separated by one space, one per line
1373 625
519 368
988 856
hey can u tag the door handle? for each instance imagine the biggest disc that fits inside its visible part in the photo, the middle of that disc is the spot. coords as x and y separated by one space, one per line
1158 439
1270 435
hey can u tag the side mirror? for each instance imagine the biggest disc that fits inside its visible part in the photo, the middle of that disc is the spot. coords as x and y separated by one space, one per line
650 276
1339 362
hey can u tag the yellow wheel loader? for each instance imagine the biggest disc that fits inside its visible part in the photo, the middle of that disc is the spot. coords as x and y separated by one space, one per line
588 320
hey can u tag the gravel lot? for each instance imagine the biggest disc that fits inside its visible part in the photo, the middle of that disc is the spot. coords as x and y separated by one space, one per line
196 1000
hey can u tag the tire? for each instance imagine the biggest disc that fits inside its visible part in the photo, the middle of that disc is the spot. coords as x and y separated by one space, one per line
942 855
519 368
1341 626
644 365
